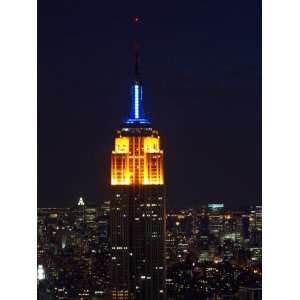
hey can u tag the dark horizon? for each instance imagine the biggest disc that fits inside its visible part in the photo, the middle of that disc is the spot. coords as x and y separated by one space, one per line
201 70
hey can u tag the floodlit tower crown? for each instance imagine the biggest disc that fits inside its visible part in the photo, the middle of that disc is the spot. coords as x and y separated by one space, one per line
137 158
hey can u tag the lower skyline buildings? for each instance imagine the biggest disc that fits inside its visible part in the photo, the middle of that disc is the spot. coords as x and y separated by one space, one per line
74 255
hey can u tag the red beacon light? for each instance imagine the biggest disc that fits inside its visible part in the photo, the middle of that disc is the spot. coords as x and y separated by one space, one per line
136 20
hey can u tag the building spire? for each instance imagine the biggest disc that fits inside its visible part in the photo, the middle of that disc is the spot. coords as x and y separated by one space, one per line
137 115
136 48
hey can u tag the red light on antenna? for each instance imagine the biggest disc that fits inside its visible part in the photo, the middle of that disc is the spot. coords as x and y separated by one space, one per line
136 19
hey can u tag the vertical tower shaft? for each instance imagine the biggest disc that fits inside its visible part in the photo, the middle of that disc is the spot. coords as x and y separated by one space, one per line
137 212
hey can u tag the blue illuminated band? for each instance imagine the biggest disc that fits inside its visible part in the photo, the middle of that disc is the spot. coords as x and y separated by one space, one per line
136 101
137 112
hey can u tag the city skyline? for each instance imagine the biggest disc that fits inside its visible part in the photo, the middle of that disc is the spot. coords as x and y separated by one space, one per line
199 86
212 253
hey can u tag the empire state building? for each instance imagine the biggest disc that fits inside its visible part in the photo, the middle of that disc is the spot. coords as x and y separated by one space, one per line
137 212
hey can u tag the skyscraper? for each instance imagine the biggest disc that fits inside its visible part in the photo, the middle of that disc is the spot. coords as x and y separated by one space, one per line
137 208
216 218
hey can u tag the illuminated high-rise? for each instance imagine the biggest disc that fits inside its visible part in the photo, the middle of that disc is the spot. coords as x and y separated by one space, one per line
216 218
137 207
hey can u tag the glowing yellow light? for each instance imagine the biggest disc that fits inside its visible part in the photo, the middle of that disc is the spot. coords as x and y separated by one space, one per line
217 259
120 294
122 145
137 160
151 145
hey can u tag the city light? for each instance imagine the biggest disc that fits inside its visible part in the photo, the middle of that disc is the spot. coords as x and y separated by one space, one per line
41 273
80 202
216 205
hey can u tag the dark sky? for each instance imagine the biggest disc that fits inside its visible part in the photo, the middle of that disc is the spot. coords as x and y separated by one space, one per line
201 66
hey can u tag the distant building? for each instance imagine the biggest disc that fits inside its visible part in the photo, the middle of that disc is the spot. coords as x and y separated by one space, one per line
90 217
104 221
248 293
203 223
255 226
233 228
255 254
216 219
255 218
245 227
204 249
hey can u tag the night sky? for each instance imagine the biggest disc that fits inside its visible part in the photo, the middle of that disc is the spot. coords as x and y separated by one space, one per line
201 69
